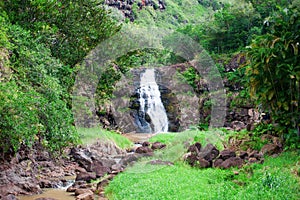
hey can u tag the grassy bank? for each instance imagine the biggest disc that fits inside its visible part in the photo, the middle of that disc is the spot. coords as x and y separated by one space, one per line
277 178
91 135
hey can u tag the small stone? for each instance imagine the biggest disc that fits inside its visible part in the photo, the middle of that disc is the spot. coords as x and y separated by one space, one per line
71 189
146 144
252 160
235 172
82 191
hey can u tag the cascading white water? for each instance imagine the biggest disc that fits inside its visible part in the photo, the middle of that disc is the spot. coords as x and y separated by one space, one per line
151 104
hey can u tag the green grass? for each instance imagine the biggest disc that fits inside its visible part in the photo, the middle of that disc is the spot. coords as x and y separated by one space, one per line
91 135
275 179
204 137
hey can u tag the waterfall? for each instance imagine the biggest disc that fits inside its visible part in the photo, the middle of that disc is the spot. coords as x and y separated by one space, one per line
152 114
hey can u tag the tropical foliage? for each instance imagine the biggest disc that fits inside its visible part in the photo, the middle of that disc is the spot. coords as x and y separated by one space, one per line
40 43
274 70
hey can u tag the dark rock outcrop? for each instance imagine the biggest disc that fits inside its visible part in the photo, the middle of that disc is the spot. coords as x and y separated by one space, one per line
209 156
125 7
201 157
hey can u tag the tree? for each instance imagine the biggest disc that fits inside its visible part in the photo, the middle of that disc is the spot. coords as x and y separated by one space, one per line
70 28
274 70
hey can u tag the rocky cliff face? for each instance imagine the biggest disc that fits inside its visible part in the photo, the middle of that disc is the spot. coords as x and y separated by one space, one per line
126 6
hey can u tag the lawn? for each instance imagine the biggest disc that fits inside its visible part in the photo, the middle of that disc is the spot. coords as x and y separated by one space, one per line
276 178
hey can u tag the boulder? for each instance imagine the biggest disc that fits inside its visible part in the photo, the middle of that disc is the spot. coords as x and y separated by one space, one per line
232 162
191 159
144 150
158 145
270 149
81 157
195 148
85 176
129 159
218 162
44 183
71 189
146 144
88 195
226 153
99 169
209 153
82 191
202 163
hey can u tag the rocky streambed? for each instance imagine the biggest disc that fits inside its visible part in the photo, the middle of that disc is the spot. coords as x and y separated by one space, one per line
90 168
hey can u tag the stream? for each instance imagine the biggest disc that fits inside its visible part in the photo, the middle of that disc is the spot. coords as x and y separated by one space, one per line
59 194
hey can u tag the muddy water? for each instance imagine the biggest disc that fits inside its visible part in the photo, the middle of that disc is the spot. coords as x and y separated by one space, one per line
59 194
56 193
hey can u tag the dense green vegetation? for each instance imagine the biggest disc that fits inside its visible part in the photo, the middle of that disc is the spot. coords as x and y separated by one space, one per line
42 44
